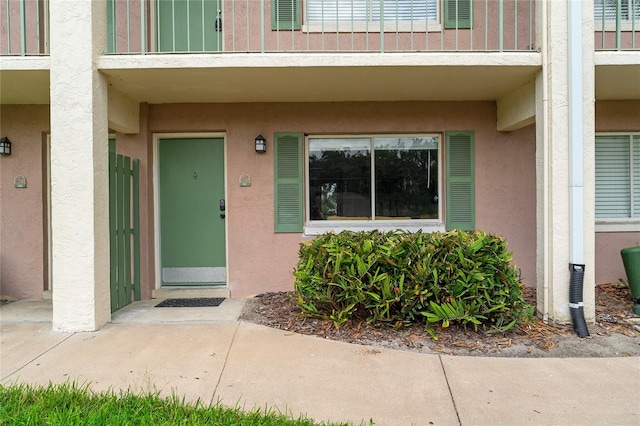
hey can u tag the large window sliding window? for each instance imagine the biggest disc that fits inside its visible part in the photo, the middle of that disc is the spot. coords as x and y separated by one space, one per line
617 178
374 178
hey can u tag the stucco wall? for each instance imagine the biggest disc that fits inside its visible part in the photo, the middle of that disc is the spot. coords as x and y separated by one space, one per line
259 260
21 210
615 116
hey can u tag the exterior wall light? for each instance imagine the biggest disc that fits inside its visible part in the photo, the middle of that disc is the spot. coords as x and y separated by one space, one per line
5 146
261 144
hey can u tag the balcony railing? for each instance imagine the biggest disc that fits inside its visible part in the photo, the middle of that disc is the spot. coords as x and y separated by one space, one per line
617 24
23 27
189 26
181 26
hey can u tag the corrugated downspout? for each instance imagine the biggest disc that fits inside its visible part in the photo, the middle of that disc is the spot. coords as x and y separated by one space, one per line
576 305
576 173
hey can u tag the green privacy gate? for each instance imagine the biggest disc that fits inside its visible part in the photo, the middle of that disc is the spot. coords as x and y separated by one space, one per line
124 225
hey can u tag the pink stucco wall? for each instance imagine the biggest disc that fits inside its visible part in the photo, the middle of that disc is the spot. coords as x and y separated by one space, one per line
615 116
22 222
609 267
260 260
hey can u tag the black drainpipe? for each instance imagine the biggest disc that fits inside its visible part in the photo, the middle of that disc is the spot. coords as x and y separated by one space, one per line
576 303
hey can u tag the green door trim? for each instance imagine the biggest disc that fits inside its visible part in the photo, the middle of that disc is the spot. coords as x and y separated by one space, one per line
200 275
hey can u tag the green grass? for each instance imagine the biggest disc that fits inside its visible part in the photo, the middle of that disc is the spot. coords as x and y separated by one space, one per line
73 404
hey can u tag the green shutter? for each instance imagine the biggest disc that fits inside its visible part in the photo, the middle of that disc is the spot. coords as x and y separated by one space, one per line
635 183
460 8
460 203
285 15
288 182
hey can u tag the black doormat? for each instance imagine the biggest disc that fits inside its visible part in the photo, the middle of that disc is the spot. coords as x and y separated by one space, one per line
190 303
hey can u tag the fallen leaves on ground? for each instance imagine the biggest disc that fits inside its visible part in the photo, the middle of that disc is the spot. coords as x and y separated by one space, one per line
614 315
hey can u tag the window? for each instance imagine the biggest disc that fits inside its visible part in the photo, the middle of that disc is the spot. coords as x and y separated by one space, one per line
366 15
617 177
374 178
374 181
318 11
606 10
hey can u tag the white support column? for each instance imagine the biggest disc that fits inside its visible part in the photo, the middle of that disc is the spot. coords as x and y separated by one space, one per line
553 163
79 166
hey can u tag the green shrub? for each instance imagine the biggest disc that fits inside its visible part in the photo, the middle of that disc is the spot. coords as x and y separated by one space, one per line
400 278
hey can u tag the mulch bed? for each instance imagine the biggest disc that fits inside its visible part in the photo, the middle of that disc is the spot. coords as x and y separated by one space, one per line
614 315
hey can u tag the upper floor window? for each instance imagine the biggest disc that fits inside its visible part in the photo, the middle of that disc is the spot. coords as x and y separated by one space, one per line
371 10
371 15
607 10
617 177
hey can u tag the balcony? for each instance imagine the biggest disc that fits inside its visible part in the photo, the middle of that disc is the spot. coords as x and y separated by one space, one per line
23 27
617 25
263 26
311 26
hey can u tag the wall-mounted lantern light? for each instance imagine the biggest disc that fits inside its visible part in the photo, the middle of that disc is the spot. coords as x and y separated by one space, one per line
5 146
261 144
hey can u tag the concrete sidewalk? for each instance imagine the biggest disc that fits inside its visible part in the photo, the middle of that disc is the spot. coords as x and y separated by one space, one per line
207 353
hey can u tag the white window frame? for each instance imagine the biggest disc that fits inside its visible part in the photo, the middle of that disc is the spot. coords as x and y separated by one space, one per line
619 224
318 227
626 24
372 26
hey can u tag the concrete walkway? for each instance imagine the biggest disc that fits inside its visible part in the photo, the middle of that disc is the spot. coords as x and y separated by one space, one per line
207 353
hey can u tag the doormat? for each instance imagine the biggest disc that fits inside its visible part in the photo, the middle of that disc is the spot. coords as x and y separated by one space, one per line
190 303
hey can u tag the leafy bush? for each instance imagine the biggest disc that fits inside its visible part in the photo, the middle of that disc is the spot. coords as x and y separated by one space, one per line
401 278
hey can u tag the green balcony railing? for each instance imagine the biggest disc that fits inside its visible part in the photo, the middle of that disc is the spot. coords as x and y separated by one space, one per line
23 27
617 24
181 26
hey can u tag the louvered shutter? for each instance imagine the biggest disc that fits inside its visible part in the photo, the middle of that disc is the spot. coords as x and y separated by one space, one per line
460 197
460 9
285 14
288 182
613 177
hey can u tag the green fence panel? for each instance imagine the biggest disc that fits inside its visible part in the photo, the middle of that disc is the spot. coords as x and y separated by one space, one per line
136 229
113 227
124 225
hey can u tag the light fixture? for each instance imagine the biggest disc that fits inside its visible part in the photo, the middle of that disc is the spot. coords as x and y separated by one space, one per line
261 144
5 146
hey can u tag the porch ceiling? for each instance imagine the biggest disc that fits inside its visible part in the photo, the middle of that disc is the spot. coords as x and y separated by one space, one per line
617 82
328 78
24 80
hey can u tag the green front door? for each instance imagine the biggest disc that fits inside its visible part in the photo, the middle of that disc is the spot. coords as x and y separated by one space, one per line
192 223
189 25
